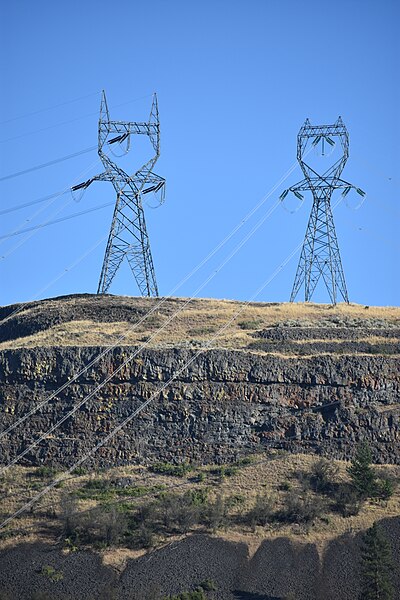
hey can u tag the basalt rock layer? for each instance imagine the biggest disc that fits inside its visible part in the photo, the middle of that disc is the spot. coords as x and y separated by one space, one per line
211 406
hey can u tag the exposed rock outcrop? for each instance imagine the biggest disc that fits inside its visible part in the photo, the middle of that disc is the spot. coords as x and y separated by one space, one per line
224 404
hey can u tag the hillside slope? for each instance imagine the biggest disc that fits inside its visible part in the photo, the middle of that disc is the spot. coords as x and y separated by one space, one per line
169 502
306 378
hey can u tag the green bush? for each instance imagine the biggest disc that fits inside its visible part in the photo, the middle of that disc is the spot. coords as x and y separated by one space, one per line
384 488
96 489
285 486
79 471
216 514
301 508
250 324
225 471
323 474
208 585
346 500
164 468
44 472
262 511
199 497
234 500
51 573
104 490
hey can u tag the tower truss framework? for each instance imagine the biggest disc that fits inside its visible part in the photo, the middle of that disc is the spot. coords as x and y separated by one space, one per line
320 255
128 235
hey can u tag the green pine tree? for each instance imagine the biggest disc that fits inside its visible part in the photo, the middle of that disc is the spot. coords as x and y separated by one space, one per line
361 473
376 566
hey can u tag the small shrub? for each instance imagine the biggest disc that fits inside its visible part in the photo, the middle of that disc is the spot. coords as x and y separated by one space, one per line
44 472
79 471
216 514
71 545
323 474
164 468
234 500
245 461
208 585
261 512
96 489
285 486
384 488
205 330
51 573
225 471
199 497
301 509
347 501
250 324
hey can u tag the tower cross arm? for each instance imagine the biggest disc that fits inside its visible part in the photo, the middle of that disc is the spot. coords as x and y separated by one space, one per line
321 183
301 186
133 127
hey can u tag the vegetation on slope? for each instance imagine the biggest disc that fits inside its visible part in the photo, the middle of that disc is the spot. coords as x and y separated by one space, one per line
258 497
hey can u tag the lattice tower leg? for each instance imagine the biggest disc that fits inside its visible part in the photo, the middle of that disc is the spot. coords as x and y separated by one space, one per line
129 224
320 256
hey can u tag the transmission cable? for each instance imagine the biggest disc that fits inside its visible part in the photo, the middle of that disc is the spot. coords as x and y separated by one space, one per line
36 112
144 404
17 137
48 164
57 278
143 346
152 310
60 220
44 208
156 394
32 202
146 478
138 350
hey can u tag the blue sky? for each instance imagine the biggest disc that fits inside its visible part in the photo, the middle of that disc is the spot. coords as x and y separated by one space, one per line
235 81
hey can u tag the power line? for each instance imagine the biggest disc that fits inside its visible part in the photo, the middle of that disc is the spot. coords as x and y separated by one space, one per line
57 278
143 346
144 404
47 164
17 137
156 306
37 201
41 110
185 483
60 220
41 210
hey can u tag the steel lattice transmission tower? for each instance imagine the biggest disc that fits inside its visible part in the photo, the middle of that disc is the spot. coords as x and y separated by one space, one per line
320 256
128 234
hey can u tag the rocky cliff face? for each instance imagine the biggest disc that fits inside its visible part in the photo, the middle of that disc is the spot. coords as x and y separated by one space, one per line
225 404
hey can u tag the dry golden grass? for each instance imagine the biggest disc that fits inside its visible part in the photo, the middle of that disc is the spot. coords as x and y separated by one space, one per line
199 323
